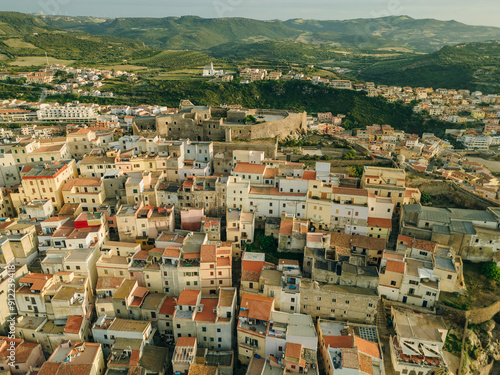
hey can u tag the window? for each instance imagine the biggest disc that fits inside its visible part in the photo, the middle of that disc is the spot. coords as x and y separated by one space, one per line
204 329
450 277
393 283
318 308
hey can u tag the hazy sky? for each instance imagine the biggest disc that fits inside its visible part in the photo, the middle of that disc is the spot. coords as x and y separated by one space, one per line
479 12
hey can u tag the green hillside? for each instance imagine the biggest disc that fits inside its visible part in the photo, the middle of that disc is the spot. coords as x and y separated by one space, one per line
187 32
176 60
26 35
426 35
359 109
275 50
195 33
474 66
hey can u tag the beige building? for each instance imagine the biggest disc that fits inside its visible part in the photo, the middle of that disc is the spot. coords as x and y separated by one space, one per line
350 348
184 354
240 226
25 356
7 308
85 358
215 268
338 302
81 142
210 320
87 191
387 182
44 182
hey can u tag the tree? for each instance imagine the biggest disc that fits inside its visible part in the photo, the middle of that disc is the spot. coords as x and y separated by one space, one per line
268 244
355 170
425 198
349 155
491 271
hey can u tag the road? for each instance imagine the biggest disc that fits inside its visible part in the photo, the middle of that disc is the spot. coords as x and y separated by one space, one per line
43 95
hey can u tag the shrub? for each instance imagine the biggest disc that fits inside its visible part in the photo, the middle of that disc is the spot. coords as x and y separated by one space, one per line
491 271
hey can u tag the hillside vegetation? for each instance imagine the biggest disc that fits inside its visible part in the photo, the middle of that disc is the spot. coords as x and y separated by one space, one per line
27 35
474 66
359 109
177 60
201 34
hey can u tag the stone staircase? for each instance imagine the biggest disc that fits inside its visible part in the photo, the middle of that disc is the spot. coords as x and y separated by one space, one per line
381 320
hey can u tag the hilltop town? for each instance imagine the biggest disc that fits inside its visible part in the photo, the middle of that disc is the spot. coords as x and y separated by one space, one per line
227 240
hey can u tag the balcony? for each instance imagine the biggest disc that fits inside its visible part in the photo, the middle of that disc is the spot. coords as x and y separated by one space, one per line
256 326
291 288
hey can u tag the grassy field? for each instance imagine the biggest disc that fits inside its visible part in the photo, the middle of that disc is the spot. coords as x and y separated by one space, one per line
481 291
177 59
126 67
38 61
3 57
18 43
181 74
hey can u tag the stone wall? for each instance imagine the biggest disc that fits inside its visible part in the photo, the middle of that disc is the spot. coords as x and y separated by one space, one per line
474 316
457 194
478 316
270 148
201 126
289 126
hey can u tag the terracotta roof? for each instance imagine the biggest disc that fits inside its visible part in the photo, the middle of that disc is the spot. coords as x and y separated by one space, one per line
286 227
271 172
256 307
366 242
171 252
341 240
393 256
339 341
186 341
367 347
350 191
73 324
168 306
251 269
249 168
380 223
425 245
293 350
191 255
207 314
405 239
394 266
223 261
188 297
309 175
208 253
288 262
82 181
365 364
141 255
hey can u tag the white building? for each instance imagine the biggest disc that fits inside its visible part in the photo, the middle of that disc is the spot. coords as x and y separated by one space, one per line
69 112
209 71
